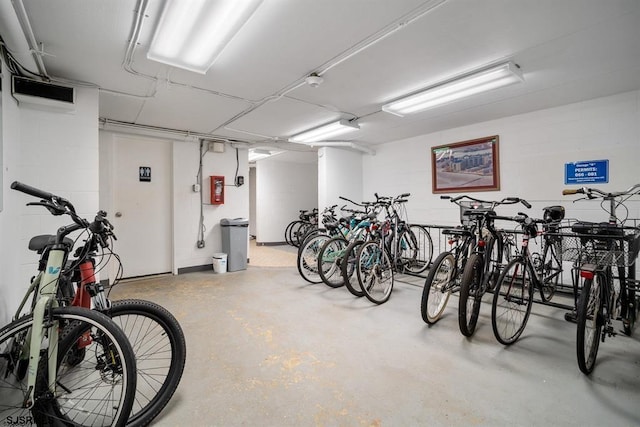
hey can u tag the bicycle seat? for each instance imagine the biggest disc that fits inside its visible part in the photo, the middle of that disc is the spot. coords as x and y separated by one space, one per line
597 228
457 232
40 243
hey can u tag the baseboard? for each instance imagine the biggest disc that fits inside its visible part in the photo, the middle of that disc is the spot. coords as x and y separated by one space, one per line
195 268
271 243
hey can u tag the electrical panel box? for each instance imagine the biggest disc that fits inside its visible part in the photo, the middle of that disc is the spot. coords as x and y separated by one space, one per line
217 190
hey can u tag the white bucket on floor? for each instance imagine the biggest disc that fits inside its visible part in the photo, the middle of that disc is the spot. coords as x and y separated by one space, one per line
220 263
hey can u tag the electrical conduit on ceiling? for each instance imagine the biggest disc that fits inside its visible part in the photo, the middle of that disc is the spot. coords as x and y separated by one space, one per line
397 25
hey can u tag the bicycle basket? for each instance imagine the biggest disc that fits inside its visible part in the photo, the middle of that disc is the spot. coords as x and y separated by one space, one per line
468 206
600 244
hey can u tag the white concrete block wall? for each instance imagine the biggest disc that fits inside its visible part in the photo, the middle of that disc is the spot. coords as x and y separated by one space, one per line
186 202
339 174
534 148
55 151
282 190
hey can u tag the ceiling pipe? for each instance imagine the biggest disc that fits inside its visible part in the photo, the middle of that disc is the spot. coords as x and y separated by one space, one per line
19 37
160 132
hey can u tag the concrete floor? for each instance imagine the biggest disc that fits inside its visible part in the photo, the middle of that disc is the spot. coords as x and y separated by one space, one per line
265 348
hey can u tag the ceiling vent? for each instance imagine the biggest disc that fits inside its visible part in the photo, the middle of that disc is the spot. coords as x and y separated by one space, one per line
43 95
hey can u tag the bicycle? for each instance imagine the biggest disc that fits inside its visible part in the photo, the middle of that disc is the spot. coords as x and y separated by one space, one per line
307 259
337 256
445 273
63 365
393 248
599 248
296 230
483 264
513 294
154 333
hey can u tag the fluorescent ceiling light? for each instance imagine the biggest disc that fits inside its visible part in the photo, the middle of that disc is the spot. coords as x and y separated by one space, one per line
192 34
452 90
257 154
323 133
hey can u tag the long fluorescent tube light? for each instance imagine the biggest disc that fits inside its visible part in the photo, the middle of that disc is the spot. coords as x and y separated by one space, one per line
481 81
324 132
257 154
192 34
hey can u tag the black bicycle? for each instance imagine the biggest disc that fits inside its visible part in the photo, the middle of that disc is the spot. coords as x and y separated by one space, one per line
513 294
605 256
483 265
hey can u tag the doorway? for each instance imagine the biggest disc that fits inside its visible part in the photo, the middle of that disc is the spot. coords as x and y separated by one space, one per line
142 189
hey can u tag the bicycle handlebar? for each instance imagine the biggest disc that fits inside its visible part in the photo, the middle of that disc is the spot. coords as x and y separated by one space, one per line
505 201
32 191
589 192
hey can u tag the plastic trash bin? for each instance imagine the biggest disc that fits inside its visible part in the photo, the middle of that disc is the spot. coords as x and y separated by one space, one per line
234 242
220 263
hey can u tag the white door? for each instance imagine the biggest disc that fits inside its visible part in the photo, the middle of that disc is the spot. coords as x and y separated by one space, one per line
142 205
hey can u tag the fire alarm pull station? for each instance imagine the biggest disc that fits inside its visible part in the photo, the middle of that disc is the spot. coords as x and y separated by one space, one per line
217 190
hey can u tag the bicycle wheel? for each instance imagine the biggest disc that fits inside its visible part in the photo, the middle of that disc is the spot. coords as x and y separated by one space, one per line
375 272
349 266
436 291
307 261
287 233
512 300
94 386
470 295
423 250
329 260
292 237
590 320
160 350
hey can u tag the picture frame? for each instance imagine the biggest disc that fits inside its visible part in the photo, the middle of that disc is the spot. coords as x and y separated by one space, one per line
466 166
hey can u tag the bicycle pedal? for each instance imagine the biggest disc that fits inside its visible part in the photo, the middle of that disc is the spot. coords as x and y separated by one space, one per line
571 317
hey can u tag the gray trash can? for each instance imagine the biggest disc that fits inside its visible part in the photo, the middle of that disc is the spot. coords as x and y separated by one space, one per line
234 242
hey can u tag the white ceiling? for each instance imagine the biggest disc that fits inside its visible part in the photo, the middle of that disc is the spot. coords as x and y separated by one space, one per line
368 52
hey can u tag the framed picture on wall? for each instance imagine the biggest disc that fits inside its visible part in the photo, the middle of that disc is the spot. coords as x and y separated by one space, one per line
466 166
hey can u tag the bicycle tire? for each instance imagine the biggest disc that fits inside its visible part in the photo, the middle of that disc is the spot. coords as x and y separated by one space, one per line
349 267
160 350
512 301
375 272
424 249
329 260
590 322
470 296
74 370
292 236
287 235
307 261
434 299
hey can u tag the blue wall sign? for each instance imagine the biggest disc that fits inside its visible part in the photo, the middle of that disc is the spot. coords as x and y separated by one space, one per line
589 171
